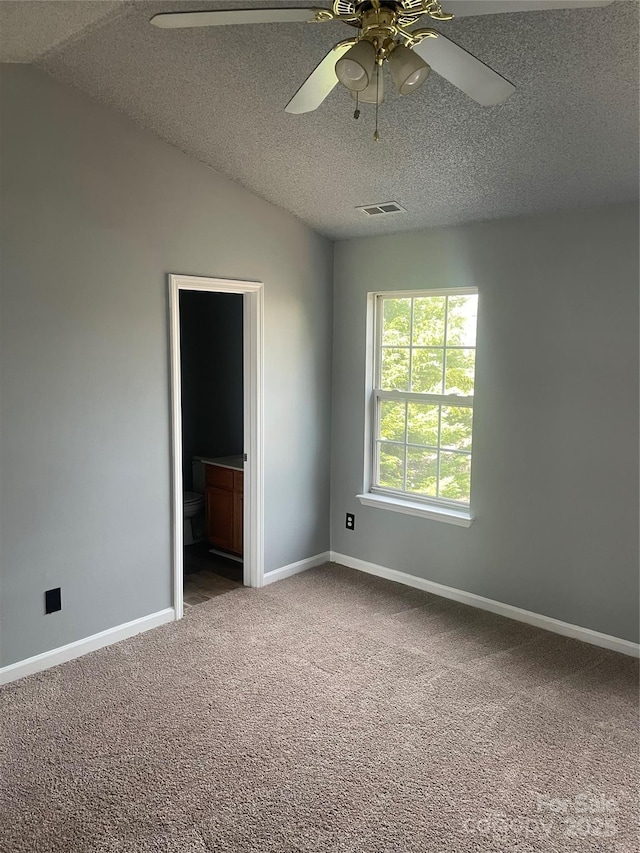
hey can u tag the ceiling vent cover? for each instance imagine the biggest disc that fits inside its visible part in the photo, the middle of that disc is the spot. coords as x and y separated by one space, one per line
383 207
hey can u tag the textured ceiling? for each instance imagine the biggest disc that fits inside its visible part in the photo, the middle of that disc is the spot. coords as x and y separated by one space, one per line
29 28
568 137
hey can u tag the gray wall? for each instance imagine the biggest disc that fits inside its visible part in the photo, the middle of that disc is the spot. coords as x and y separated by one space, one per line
211 368
95 213
555 471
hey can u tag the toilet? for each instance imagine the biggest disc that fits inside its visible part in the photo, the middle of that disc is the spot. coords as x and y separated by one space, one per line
193 508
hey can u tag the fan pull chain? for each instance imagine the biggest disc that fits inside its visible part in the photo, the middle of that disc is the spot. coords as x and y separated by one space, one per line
376 135
356 112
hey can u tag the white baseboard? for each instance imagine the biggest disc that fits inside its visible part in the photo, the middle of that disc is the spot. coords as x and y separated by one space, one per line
296 568
81 647
587 635
145 623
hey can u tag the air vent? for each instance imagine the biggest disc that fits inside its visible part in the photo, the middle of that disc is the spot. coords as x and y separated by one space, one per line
384 207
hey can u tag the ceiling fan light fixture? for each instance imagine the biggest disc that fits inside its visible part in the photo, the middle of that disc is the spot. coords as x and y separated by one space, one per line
374 93
408 70
356 68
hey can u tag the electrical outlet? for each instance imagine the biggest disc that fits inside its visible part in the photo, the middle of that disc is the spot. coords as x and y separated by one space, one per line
52 600
351 521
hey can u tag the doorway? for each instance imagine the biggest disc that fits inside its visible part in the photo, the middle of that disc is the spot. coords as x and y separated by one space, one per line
231 483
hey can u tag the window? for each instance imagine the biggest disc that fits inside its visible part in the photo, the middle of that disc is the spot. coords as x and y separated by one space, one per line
424 369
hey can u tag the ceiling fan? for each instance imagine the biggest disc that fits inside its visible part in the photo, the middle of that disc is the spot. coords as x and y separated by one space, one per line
383 36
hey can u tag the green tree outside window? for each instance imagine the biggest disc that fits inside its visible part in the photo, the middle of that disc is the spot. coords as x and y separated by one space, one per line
426 347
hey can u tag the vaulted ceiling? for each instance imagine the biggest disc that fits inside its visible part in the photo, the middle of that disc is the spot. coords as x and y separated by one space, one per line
568 137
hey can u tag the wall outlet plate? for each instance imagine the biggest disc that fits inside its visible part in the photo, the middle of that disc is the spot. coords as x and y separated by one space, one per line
52 600
351 521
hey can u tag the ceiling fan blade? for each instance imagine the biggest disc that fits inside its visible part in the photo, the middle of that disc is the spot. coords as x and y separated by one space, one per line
177 20
461 68
463 8
320 83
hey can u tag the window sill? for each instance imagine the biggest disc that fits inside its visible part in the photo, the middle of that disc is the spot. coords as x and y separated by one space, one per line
460 517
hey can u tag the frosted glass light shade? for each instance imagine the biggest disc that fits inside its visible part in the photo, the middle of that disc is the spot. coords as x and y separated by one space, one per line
375 89
355 69
408 70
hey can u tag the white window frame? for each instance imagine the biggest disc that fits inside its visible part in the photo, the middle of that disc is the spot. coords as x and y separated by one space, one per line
436 508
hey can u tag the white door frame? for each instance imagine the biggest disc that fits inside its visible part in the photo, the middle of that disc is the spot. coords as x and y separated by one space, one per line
253 550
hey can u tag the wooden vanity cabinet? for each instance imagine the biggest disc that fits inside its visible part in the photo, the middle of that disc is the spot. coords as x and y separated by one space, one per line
238 511
224 507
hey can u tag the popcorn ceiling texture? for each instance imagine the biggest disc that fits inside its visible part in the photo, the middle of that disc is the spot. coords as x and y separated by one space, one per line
332 712
567 138
30 28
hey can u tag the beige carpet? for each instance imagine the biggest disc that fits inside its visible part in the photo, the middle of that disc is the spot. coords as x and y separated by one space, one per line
329 712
